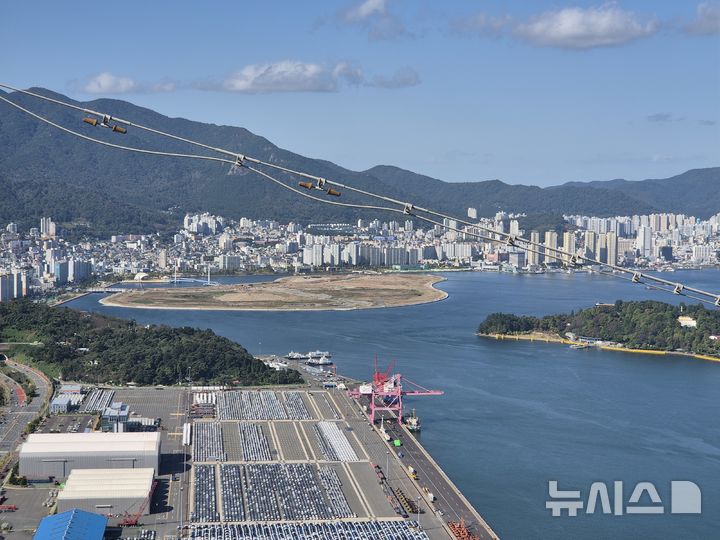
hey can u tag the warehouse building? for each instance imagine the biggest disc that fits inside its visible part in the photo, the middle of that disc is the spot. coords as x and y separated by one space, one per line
72 525
108 491
47 455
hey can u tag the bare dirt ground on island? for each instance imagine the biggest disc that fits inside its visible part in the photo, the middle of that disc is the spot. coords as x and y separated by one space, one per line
326 292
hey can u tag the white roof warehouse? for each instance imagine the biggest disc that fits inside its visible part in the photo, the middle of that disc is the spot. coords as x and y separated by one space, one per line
107 491
46 455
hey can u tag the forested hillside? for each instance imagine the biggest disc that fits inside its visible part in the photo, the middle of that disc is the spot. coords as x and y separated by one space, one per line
642 325
99 190
120 351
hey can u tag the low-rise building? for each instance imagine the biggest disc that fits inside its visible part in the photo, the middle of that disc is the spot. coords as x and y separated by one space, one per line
55 455
60 404
108 491
115 417
72 525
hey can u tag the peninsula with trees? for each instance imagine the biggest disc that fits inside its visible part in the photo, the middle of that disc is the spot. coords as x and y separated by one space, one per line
633 326
89 347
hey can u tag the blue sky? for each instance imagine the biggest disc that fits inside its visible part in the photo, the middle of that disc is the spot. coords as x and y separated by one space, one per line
527 92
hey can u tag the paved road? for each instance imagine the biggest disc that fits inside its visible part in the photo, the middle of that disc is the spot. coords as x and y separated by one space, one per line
40 382
17 416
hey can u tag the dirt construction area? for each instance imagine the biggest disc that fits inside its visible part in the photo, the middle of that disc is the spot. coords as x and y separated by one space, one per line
326 292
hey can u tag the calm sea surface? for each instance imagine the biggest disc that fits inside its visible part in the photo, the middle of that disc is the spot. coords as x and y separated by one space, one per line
516 415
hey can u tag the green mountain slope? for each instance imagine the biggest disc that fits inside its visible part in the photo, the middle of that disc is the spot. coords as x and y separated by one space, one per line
695 192
90 187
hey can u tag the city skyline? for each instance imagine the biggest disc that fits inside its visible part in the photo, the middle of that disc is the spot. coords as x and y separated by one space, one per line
40 262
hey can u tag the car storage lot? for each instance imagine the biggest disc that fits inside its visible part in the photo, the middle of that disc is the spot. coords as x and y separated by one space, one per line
224 484
296 457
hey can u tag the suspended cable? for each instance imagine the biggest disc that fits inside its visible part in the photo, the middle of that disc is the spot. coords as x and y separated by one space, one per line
407 207
318 199
654 287
112 145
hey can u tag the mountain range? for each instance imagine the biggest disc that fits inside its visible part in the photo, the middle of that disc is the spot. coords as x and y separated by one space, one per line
100 190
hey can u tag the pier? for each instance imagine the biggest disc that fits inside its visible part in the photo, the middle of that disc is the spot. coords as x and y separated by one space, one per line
450 506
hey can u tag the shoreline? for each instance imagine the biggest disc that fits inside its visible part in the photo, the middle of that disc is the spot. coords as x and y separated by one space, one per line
549 338
111 301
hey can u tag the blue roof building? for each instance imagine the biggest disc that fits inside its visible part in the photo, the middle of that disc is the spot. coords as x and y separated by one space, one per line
72 525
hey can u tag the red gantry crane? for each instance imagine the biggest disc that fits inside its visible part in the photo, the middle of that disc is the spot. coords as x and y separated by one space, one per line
131 520
386 392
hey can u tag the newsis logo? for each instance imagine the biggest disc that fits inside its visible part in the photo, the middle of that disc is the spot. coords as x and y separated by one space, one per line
685 498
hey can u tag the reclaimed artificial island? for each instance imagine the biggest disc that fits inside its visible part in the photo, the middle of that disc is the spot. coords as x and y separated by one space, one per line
294 293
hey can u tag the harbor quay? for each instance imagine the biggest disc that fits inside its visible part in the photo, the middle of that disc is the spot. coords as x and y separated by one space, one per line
270 462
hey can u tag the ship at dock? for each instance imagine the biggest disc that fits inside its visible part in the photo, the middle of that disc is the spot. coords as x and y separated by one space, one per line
313 358
318 361
318 354
412 423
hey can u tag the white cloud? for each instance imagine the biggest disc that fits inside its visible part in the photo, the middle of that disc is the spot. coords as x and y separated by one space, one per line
350 74
366 9
402 78
660 117
296 76
107 83
266 78
165 86
375 16
284 76
707 21
578 28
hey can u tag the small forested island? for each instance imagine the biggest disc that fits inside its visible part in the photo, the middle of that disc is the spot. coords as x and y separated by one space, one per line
648 325
95 348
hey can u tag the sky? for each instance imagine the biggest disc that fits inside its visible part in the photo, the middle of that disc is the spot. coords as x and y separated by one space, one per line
539 92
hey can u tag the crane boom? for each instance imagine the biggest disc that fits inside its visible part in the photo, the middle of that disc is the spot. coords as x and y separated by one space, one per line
387 392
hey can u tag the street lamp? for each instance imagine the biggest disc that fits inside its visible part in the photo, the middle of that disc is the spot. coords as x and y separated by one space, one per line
181 508
387 463
418 512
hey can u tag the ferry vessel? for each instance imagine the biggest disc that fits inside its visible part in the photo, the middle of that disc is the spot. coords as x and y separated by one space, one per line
319 361
292 355
318 354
